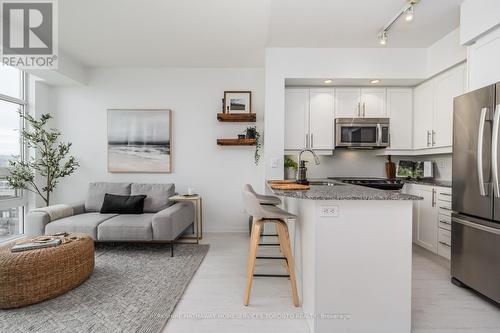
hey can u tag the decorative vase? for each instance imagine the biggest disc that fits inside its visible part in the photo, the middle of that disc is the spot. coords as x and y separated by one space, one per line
251 135
290 173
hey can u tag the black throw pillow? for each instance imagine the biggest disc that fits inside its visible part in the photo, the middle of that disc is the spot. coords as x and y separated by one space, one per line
123 204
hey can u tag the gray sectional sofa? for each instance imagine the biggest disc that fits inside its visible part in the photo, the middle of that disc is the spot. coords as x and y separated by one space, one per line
162 220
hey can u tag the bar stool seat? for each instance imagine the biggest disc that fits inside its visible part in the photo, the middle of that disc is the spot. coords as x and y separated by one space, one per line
273 213
263 214
264 199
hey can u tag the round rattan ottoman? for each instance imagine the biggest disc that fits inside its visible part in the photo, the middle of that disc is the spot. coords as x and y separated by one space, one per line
33 276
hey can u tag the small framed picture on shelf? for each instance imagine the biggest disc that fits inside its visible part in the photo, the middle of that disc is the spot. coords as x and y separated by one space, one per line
237 101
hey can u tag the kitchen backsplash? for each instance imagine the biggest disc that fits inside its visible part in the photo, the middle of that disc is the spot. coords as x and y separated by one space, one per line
366 163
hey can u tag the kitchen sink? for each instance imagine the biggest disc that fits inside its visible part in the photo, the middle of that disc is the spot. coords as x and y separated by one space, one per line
325 183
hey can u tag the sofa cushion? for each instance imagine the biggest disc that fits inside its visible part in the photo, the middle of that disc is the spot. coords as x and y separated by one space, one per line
171 222
157 195
126 228
96 192
85 223
123 204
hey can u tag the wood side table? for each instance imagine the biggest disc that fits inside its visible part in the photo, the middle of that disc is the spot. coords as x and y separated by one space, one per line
196 199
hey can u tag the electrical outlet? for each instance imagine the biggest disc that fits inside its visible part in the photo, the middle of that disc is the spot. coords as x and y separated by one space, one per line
442 164
329 211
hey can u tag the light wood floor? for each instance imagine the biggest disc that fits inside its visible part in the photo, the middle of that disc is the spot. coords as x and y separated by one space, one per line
213 302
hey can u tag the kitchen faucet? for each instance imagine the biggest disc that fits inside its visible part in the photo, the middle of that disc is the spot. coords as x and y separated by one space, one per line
302 174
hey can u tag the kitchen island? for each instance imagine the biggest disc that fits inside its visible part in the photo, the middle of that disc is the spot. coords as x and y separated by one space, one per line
353 253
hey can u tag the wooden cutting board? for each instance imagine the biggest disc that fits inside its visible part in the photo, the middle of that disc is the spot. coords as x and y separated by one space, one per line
290 187
289 181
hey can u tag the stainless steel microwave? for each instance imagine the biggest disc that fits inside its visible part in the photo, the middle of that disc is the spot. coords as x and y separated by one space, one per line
362 132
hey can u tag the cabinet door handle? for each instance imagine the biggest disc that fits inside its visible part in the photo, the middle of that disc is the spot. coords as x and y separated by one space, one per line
307 140
364 109
428 138
312 144
433 197
359 109
433 138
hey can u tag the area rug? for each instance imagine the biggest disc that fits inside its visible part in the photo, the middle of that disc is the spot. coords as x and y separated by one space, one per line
134 288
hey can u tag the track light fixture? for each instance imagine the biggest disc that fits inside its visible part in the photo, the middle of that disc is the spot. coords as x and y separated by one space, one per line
382 38
409 14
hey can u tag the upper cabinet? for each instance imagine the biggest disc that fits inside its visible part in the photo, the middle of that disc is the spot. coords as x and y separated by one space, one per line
433 109
360 103
447 86
296 118
423 110
321 119
309 118
347 102
373 103
400 110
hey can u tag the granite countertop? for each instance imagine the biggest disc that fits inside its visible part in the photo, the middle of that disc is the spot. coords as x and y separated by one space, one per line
431 182
334 190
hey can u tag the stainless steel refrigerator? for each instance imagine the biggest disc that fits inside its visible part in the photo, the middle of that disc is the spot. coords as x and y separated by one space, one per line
475 229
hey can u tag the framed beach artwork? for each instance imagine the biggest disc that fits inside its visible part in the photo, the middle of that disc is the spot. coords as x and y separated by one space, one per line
139 140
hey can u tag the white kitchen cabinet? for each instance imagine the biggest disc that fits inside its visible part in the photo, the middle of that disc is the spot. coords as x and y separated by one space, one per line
347 103
432 218
426 218
447 86
400 111
433 109
309 118
483 61
321 120
360 103
422 115
373 104
296 118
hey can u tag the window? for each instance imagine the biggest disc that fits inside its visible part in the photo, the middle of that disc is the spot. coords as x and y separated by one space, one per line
12 101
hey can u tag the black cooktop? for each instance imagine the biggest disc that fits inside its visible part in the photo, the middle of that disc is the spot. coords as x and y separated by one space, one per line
378 183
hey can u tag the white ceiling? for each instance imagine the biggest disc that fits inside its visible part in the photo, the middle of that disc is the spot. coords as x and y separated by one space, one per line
235 33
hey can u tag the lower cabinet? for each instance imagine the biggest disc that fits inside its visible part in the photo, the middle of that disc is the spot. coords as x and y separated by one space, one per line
432 218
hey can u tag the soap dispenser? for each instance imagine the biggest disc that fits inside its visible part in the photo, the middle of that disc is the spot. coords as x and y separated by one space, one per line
302 174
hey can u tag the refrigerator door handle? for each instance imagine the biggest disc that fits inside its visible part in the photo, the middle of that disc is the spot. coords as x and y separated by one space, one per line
479 158
476 226
494 151
379 135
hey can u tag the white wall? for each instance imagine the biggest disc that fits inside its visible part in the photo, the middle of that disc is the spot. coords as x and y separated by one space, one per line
282 63
445 53
194 95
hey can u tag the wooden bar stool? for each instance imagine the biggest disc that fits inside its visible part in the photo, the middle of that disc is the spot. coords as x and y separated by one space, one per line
262 214
263 200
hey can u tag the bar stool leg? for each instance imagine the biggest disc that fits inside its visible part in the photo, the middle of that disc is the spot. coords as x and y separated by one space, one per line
283 231
254 243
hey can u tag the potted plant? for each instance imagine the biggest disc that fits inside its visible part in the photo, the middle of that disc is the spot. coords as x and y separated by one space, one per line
252 133
51 160
290 168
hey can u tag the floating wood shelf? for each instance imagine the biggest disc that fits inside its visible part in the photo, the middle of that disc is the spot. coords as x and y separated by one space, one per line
236 142
237 117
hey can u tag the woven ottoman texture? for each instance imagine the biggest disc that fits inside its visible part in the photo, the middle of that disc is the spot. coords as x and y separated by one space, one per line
33 276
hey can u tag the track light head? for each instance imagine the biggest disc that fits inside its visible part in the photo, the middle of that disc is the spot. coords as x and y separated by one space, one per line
410 14
382 38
